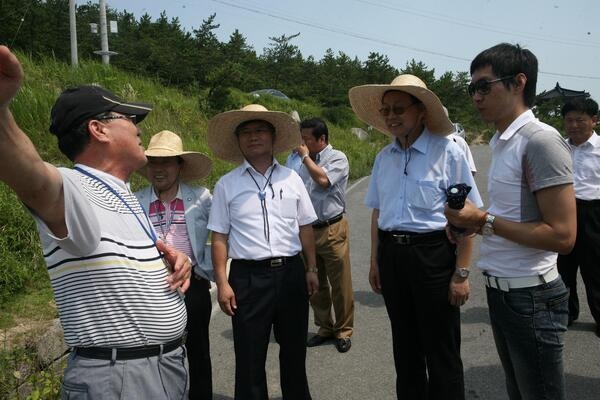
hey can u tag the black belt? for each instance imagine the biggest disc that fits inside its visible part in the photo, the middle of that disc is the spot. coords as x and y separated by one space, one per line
405 238
330 221
128 353
269 262
588 203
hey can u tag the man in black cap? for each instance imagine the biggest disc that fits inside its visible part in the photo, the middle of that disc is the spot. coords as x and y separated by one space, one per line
116 287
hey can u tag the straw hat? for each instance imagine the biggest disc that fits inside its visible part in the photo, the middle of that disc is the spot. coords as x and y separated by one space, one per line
221 131
168 144
366 102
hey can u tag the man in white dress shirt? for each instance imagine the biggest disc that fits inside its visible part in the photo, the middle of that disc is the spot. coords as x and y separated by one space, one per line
580 117
261 217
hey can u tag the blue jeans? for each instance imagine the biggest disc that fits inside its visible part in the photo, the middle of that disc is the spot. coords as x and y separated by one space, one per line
529 325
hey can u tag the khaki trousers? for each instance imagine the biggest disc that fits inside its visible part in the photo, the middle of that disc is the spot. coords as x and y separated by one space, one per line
335 282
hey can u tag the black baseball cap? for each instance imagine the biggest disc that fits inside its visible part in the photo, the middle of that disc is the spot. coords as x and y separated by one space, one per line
77 104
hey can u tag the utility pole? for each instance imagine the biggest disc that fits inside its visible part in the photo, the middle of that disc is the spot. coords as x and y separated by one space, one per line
104 52
73 30
104 33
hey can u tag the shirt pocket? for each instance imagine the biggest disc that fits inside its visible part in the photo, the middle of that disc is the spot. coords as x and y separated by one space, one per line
424 195
289 208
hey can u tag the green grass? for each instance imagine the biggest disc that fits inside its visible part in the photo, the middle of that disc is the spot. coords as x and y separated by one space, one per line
34 303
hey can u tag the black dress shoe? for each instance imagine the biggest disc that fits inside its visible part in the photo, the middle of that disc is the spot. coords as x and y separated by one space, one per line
597 330
317 340
343 344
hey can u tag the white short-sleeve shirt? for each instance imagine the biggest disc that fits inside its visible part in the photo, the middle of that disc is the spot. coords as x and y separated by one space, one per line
258 229
528 156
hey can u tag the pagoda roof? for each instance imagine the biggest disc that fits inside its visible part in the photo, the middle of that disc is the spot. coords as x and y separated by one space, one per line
562 93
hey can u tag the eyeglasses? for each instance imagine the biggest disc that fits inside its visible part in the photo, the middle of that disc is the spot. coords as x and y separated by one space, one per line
483 86
397 110
132 118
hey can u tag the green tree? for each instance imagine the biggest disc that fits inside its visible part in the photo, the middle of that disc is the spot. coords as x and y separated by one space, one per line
241 58
208 50
285 63
335 75
377 69
420 70
548 111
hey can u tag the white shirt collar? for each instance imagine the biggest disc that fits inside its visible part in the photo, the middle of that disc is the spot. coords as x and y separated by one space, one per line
517 124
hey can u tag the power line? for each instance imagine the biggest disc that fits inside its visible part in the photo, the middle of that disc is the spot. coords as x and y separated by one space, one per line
340 31
569 75
478 26
373 39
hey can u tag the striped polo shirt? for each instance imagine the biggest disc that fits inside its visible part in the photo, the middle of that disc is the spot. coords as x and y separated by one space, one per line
109 279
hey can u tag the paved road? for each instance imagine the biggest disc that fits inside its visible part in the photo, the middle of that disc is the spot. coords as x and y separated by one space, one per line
367 372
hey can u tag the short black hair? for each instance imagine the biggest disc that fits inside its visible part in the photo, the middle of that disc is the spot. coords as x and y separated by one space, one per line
318 126
509 60
586 106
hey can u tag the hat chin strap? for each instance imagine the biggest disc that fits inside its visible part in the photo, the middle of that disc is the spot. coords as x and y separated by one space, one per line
407 138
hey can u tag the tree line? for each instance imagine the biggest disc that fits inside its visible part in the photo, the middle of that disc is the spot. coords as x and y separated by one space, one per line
202 65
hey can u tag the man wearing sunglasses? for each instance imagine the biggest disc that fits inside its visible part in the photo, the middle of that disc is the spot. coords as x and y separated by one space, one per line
530 219
116 287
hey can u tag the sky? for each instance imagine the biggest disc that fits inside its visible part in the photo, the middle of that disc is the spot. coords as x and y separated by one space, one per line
444 34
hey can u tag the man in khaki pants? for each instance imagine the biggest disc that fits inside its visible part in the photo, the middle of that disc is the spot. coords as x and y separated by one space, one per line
325 171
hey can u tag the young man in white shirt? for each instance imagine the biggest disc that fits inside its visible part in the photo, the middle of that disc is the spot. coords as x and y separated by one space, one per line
531 218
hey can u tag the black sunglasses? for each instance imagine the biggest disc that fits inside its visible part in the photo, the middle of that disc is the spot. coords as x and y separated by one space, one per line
483 86
132 118
397 110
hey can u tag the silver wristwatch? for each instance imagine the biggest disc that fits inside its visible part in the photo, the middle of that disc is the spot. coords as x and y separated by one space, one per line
488 228
462 272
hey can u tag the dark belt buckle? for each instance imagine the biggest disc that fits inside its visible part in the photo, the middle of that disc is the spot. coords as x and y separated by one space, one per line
276 262
401 239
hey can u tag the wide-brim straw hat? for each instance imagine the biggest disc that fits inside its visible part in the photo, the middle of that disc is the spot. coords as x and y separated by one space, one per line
195 165
224 143
366 102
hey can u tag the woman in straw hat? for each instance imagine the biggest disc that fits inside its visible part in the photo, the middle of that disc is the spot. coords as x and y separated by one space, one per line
262 218
179 212
419 272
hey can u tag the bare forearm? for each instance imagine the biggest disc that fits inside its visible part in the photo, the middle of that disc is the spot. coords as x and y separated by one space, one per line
219 257
555 231
558 226
307 238
464 251
538 235
316 173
